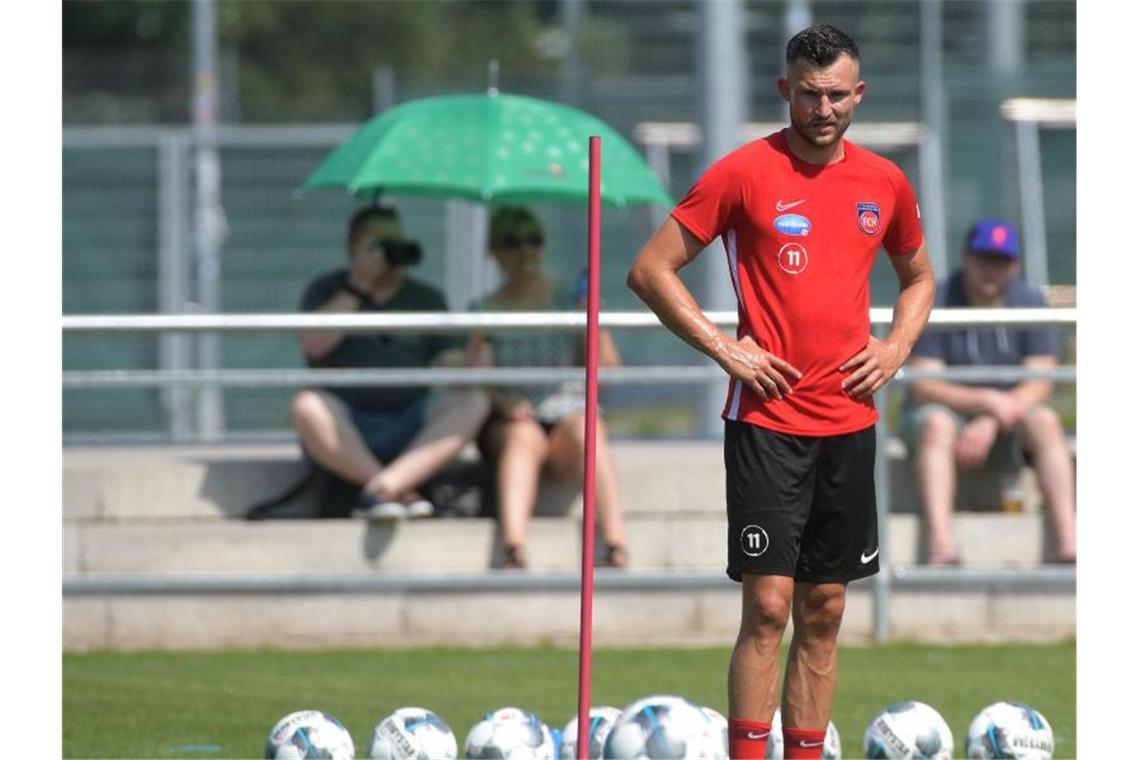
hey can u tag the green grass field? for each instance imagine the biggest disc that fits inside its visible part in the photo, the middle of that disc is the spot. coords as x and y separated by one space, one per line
222 704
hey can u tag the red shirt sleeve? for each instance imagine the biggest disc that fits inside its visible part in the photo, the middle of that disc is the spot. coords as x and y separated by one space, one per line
904 235
711 204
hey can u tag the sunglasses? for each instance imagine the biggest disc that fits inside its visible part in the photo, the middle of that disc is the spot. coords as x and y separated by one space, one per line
534 239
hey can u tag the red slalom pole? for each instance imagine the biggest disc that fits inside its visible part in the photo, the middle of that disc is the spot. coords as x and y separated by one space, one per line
586 627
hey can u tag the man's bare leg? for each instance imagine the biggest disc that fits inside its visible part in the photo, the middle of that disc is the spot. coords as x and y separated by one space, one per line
754 670
937 473
1045 439
813 662
453 418
325 427
522 452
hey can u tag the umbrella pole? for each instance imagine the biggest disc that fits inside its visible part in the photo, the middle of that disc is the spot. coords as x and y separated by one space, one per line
585 638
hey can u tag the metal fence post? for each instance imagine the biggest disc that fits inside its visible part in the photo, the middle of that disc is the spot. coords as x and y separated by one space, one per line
174 350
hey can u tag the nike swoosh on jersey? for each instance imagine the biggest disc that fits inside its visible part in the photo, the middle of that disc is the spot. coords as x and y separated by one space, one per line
865 558
781 206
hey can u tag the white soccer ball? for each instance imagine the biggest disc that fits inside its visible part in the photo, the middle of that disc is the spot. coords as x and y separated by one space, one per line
1009 731
602 720
309 734
908 731
509 734
775 751
662 727
412 733
718 726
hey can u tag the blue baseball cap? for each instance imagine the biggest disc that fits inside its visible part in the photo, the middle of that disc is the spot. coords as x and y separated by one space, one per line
994 236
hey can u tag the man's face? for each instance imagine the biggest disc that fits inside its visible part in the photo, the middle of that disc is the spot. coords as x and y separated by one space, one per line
988 274
821 101
366 257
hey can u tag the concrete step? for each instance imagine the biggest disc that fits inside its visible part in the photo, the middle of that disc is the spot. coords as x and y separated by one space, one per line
667 541
637 611
656 477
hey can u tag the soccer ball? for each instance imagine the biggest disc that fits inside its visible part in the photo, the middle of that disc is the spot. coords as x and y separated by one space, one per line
510 734
602 719
309 734
908 731
1009 730
412 733
662 727
775 750
718 725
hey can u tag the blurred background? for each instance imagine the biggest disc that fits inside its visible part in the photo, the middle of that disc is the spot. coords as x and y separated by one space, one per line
286 82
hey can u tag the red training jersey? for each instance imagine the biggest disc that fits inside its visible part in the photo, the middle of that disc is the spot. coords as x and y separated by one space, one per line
801 240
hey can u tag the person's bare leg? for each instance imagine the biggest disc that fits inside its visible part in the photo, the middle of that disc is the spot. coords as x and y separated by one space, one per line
521 453
452 419
325 427
754 669
937 472
567 460
813 662
1045 440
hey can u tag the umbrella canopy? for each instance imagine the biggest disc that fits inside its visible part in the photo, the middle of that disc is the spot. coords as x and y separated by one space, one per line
488 148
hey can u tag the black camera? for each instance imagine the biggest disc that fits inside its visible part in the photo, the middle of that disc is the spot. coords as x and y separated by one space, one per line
400 253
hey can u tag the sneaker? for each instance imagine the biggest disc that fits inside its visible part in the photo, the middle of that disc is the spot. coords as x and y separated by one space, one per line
514 558
371 507
419 508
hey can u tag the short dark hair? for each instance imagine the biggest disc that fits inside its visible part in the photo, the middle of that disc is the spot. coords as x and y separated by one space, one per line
820 45
364 215
506 219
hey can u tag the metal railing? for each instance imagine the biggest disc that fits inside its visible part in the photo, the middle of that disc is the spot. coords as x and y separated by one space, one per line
458 323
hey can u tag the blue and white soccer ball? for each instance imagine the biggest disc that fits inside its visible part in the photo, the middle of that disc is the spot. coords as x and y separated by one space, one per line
718 725
1009 731
602 720
908 731
663 727
412 733
509 734
831 747
309 734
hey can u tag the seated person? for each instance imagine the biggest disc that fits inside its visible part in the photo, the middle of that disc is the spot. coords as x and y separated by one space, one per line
953 424
387 440
537 427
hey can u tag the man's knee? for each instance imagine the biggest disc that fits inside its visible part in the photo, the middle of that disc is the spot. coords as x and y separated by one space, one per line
766 614
1043 427
939 428
819 612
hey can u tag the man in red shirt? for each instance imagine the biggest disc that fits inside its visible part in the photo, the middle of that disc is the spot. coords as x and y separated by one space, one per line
802 214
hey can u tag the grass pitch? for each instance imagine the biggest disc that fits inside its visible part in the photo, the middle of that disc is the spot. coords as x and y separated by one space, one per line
222 704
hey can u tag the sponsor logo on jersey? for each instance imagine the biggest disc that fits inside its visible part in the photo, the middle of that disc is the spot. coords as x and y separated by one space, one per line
867 215
754 540
793 224
792 258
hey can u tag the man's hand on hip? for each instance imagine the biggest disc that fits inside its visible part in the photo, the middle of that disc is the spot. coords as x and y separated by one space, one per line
766 374
871 368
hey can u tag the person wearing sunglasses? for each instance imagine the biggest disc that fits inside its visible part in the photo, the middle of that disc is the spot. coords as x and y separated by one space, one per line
540 427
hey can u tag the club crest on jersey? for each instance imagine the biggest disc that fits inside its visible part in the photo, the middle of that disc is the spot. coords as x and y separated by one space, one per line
867 215
792 258
793 224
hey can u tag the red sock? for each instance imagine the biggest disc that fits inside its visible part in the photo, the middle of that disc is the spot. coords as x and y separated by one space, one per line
803 743
747 739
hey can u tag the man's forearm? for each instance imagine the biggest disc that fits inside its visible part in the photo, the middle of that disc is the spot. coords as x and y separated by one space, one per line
318 343
912 310
963 398
667 297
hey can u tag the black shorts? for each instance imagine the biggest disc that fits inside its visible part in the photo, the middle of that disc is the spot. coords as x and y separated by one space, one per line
801 506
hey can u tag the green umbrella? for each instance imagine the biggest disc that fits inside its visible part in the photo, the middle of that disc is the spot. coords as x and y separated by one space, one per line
488 148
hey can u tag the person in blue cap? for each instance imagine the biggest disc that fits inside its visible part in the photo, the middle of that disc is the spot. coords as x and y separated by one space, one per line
953 425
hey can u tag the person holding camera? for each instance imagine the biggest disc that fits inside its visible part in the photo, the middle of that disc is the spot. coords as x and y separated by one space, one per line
386 440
